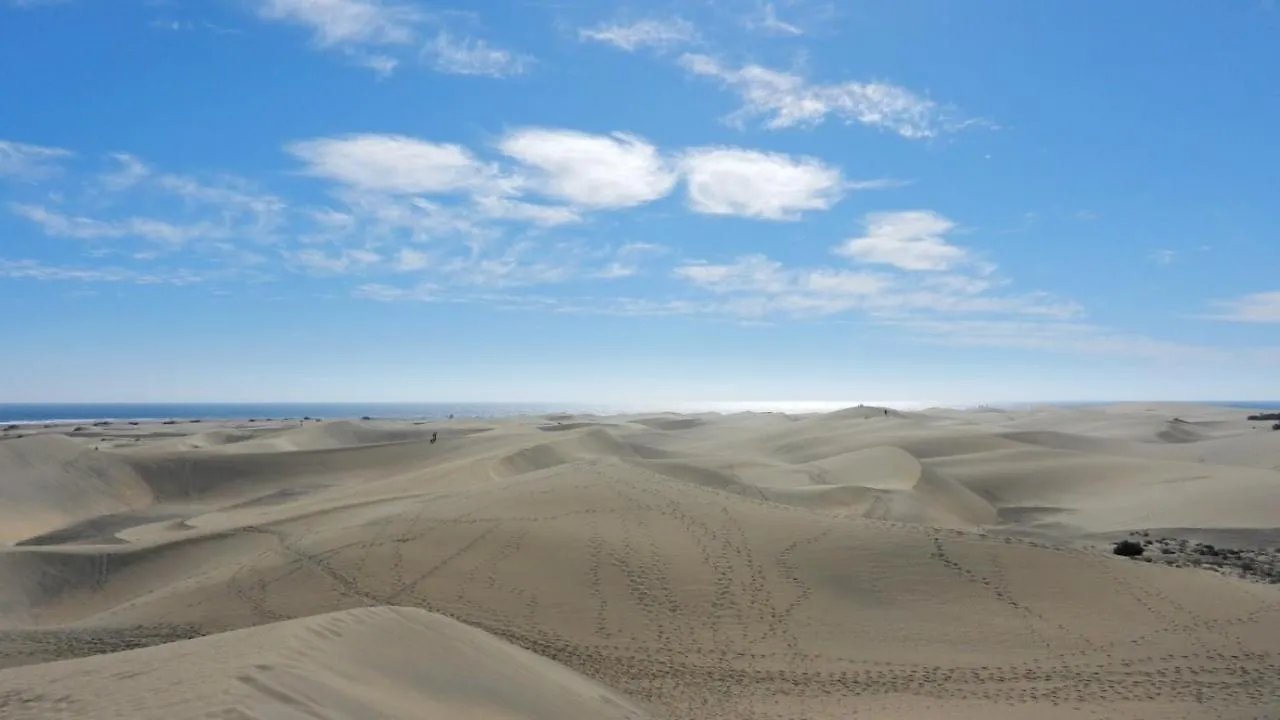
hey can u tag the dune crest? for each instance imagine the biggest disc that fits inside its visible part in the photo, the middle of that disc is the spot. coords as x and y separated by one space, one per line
363 663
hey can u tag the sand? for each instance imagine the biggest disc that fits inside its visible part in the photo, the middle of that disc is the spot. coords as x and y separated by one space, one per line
854 564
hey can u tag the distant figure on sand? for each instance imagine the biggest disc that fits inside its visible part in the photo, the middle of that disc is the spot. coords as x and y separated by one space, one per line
886 413
433 437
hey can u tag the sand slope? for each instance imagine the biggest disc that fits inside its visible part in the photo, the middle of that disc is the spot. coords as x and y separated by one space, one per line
366 663
734 567
51 481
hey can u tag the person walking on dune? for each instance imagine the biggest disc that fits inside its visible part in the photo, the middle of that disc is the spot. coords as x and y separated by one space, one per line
433 437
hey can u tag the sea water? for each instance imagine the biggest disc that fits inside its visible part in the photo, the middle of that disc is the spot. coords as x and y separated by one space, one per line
85 412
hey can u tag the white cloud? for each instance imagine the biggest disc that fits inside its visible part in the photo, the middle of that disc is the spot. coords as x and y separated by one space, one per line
642 33
474 57
34 270
348 22
423 292
322 263
528 263
911 240
1163 256
766 19
393 164
753 184
512 269
410 260
397 216
241 209
788 100
131 171
21 161
382 65
1067 337
1263 307
761 286
625 262
591 171
84 228
499 208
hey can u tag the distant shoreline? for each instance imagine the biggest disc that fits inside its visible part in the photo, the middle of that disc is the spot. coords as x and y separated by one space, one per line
73 413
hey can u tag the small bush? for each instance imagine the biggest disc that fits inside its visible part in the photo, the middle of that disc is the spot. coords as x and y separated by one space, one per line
1128 548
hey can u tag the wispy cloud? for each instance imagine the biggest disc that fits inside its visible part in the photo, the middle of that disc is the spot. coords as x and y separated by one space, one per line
758 274
130 172
650 33
348 22
21 161
381 292
319 262
765 19
753 184
470 56
406 219
411 260
759 287
626 260
787 100
84 228
1163 256
1075 338
34 270
1262 307
502 208
381 65
379 34
519 264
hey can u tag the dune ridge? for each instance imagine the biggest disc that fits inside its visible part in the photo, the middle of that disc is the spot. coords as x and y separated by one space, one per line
935 564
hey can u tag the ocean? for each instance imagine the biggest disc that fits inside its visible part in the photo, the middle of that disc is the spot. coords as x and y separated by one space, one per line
83 412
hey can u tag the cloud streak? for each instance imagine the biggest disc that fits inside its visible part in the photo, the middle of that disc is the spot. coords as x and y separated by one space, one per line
658 34
378 34
1261 308
787 100
461 56
26 162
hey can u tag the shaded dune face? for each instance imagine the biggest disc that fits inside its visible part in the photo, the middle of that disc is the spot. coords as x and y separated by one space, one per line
662 566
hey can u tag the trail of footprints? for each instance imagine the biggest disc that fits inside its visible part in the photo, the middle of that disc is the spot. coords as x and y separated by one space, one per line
678 670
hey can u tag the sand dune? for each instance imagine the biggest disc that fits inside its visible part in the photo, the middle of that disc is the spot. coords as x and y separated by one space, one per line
365 663
751 566
51 481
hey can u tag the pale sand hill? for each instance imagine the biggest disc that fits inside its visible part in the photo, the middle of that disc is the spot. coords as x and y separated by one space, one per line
703 566
364 663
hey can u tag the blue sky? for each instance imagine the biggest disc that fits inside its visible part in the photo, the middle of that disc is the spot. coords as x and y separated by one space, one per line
718 200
